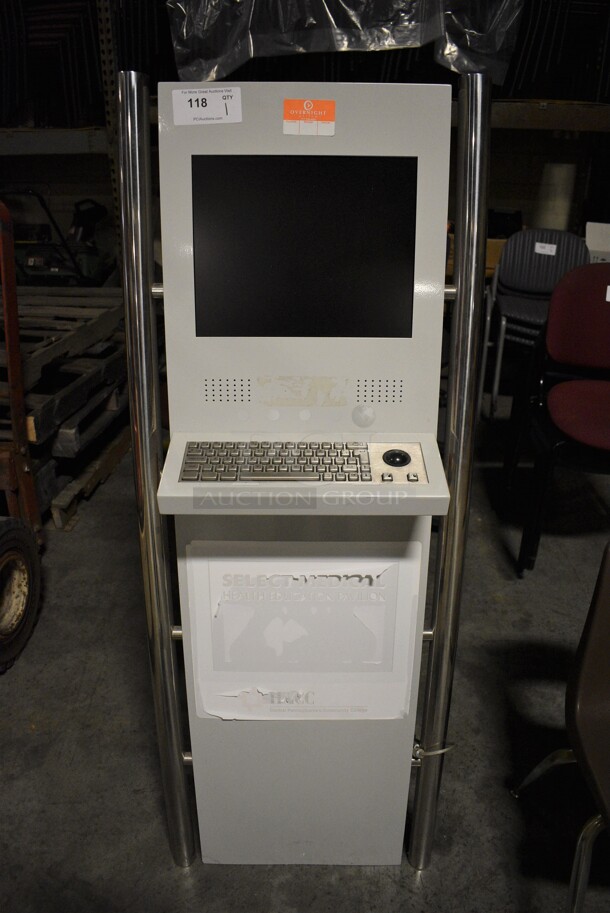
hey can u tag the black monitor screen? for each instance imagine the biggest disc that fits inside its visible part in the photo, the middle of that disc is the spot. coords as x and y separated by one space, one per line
304 245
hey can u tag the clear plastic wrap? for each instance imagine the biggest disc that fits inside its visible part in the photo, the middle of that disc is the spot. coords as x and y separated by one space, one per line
479 36
212 38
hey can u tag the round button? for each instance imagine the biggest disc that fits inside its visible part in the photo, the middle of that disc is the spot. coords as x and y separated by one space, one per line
396 457
363 416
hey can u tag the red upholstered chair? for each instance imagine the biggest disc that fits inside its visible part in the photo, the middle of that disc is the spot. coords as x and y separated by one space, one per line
568 413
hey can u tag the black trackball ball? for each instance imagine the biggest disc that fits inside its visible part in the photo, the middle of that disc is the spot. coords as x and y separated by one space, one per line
396 457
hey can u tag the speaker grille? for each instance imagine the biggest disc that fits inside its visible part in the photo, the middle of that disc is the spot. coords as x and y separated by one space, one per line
227 390
379 390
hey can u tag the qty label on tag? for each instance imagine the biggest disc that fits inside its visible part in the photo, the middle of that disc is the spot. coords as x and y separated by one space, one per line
193 107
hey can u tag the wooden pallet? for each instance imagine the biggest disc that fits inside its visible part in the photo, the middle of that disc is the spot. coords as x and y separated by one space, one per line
65 504
90 422
74 379
70 385
60 325
66 387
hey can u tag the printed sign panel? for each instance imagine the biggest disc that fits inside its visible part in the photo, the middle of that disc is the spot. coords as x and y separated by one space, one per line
294 637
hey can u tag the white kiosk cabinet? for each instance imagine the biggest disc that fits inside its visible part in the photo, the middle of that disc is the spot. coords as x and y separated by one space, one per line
304 233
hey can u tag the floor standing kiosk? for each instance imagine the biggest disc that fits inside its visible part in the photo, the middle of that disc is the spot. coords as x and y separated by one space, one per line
303 232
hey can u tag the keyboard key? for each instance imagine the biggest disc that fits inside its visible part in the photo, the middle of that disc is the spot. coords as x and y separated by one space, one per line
262 475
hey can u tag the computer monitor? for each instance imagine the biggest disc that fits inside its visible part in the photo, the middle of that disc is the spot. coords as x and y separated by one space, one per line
303 263
299 245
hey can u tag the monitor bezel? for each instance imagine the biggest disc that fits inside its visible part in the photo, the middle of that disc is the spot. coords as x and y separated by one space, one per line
307 384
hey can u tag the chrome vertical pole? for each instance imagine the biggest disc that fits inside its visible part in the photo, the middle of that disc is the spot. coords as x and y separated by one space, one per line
142 360
473 162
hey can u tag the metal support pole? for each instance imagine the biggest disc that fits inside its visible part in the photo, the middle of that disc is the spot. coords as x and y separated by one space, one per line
134 153
473 160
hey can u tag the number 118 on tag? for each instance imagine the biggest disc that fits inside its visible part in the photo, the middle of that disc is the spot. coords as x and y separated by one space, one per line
206 106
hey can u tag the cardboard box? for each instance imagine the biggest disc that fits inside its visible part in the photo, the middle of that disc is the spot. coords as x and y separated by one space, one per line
598 241
492 255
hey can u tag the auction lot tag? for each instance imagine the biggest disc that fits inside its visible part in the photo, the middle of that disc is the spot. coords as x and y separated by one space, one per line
309 117
548 249
218 105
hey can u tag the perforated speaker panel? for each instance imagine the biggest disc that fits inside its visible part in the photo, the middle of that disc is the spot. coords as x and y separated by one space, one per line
227 389
379 390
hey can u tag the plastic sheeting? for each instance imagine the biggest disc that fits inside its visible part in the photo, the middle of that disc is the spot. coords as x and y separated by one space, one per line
213 37
479 36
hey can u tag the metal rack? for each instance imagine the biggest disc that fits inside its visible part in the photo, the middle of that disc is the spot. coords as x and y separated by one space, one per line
134 155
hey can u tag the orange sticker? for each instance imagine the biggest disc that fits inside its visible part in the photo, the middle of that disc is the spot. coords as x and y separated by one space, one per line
312 116
308 109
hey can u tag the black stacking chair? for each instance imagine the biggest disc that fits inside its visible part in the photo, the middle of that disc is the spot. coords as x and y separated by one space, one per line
588 726
531 264
567 411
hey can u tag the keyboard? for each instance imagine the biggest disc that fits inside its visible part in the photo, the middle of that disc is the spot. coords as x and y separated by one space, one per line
306 461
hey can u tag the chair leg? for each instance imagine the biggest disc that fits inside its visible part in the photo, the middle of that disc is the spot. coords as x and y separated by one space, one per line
532 528
485 348
498 367
582 862
517 428
522 405
555 759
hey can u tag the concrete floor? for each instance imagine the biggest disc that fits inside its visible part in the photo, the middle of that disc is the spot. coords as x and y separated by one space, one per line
82 820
